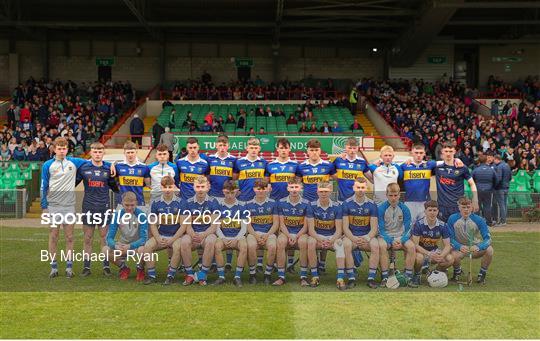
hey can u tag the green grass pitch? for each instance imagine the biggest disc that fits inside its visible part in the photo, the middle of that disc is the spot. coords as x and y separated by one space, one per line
33 306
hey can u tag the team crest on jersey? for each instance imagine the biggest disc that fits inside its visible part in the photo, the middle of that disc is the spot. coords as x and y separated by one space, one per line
456 172
70 168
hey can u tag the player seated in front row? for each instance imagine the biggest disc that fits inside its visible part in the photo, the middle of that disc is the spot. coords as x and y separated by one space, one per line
200 230
426 233
293 229
360 231
325 228
166 233
262 230
469 233
231 232
394 233
131 226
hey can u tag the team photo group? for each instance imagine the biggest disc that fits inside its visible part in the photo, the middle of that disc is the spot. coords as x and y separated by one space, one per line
270 217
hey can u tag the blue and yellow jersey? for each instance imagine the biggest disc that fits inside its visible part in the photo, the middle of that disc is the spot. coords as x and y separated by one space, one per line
346 172
359 215
280 173
262 214
131 179
200 211
324 218
294 214
189 171
169 215
416 180
450 186
248 172
313 174
232 218
430 235
221 170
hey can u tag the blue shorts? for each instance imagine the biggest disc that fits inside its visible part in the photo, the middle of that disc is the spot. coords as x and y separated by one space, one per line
446 211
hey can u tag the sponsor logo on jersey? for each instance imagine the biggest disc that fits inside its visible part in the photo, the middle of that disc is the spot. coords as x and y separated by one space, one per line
131 181
251 174
281 177
314 179
416 174
222 171
349 174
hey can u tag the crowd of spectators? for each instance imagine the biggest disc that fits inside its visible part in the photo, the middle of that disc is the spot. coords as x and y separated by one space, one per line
434 112
529 88
251 90
43 110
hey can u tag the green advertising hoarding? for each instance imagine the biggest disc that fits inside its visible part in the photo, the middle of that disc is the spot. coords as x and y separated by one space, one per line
329 144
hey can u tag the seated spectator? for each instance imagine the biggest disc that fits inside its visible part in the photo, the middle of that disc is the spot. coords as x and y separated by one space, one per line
207 127
336 128
32 154
242 121
303 128
217 127
356 126
261 131
5 154
251 132
260 112
313 128
189 120
292 119
325 129
269 112
19 154
209 118
230 119
310 117
193 127
279 112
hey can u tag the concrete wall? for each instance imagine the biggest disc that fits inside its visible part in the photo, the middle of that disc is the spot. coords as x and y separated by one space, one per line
509 71
423 69
75 60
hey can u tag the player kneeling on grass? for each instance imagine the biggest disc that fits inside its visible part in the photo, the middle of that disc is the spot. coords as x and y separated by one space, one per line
426 233
168 229
231 233
469 236
360 231
132 226
200 231
325 228
394 229
293 229
262 230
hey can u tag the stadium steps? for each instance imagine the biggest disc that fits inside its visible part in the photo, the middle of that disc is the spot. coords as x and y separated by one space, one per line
148 123
35 209
369 129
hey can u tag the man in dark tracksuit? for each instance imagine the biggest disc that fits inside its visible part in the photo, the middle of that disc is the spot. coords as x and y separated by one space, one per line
485 178
504 175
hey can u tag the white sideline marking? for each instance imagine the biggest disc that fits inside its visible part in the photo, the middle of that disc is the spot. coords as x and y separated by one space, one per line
25 239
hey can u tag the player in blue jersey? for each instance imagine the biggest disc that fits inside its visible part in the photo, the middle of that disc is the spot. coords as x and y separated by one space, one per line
450 183
293 229
231 232
190 167
97 179
159 169
202 221
469 236
132 175
417 180
250 168
325 230
314 170
281 170
385 171
126 237
394 220
58 177
360 231
427 233
262 230
350 166
166 227
221 167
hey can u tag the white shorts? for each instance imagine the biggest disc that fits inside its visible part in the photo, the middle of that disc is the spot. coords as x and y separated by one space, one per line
62 215
417 210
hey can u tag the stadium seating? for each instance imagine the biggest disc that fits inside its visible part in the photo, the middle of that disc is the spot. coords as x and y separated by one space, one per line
271 124
523 179
536 181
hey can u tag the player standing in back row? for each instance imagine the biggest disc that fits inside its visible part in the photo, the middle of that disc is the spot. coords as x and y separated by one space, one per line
349 168
384 172
450 183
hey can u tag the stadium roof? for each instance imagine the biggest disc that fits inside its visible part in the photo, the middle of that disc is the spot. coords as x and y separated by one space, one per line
403 27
